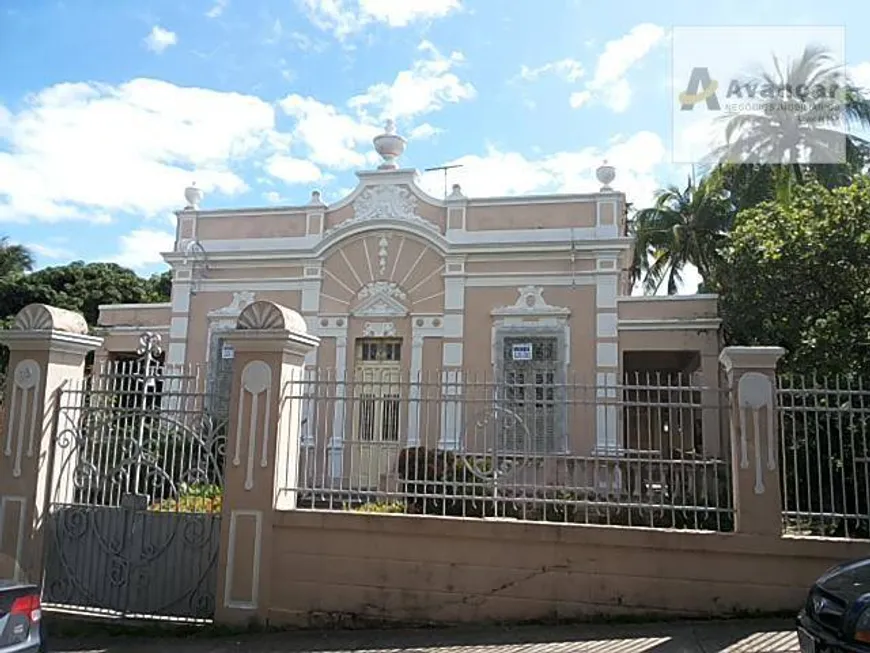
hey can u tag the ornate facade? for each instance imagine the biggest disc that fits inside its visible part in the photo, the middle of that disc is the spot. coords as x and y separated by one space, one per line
397 282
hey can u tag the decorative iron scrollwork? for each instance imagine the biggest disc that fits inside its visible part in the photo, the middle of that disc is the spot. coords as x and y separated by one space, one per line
135 451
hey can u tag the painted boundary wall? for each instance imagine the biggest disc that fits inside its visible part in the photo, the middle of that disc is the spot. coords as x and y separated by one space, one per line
347 567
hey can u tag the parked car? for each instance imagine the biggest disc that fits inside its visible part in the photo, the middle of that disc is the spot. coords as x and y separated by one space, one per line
21 626
836 616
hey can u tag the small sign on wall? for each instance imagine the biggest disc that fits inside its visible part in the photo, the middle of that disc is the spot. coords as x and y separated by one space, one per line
522 351
227 351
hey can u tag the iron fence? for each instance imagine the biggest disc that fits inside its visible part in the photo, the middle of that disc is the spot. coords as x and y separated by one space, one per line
824 428
651 450
133 527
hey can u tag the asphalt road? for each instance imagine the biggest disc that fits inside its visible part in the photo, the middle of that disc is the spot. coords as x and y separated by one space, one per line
751 636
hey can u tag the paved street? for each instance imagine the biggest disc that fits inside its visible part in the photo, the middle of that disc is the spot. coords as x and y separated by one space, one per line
762 636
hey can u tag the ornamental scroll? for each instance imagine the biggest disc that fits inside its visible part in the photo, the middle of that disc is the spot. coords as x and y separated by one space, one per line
754 394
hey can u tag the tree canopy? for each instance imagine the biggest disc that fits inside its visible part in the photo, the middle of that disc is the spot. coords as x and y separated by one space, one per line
81 287
796 274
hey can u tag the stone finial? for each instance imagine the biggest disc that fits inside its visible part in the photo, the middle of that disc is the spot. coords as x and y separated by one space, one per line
193 196
42 317
456 193
605 174
390 146
316 199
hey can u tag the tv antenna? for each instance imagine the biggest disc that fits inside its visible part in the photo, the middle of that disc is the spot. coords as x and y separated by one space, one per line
445 169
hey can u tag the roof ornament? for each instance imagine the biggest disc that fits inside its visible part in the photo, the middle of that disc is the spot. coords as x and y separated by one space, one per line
605 174
389 146
193 196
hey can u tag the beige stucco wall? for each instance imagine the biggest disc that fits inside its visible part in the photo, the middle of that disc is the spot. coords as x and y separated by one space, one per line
551 215
669 308
283 225
134 315
420 569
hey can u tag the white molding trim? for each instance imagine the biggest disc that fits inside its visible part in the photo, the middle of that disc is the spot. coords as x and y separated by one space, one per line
231 560
668 298
606 325
336 440
137 307
686 324
531 302
459 242
451 354
178 327
379 329
522 279
123 329
482 281
451 409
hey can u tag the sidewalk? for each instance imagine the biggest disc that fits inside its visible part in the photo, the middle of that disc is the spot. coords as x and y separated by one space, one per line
751 636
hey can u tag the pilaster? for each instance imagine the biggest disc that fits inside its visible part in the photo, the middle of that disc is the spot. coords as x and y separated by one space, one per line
47 350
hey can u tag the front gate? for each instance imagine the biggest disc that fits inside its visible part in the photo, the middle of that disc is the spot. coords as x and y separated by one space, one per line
133 524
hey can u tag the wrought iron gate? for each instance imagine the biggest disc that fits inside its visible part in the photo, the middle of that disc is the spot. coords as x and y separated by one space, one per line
133 526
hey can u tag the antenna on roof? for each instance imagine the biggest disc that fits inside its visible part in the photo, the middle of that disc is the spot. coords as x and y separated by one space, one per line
445 169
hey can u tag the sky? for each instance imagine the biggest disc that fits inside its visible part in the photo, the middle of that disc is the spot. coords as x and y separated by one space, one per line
109 109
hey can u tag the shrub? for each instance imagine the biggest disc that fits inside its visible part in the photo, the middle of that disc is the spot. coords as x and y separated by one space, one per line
385 507
193 498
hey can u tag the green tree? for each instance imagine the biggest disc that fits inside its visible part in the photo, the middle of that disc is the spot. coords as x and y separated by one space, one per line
684 226
795 274
160 286
81 287
14 259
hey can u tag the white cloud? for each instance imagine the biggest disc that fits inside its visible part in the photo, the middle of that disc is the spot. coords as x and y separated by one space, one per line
141 248
427 86
579 98
159 39
424 132
50 251
331 136
292 170
86 150
509 173
608 84
570 69
217 8
346 17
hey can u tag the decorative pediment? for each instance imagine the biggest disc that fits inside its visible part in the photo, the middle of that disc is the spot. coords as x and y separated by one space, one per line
386 202
381 299
531 302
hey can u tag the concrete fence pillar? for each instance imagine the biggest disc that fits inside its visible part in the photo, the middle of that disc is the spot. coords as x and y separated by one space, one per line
755 442
262 454
47 350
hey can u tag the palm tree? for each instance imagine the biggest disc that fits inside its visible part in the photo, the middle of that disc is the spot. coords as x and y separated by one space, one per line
14 259
684 226
780 134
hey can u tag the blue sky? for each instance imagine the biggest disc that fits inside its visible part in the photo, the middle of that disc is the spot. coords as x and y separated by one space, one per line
109 109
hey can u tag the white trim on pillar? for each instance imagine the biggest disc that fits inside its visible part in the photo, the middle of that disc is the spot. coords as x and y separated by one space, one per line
339 415
417 337
336 327
451 409
607 416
